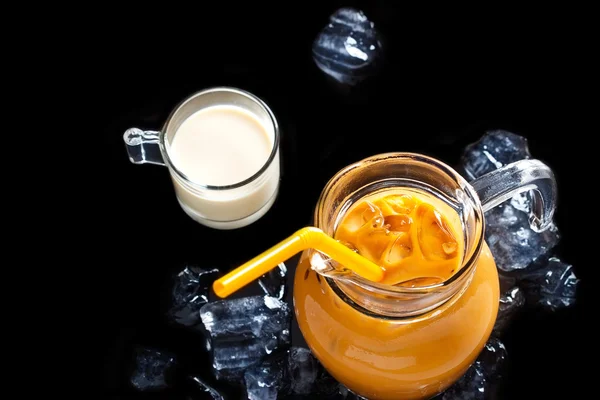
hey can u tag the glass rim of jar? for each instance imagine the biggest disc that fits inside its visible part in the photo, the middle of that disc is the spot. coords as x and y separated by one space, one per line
187 102
457 280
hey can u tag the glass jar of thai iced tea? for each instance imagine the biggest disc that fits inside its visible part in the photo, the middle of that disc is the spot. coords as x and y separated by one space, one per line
417 331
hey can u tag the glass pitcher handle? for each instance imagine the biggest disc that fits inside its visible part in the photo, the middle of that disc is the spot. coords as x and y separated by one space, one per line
143 146
500 185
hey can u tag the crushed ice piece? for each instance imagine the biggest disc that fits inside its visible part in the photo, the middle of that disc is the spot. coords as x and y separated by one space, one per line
189 293
153 369
302 370
264 381
552 285
273 282
348 48
243 331
492 359
492 151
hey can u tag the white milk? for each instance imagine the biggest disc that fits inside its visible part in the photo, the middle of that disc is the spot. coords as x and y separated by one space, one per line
219 146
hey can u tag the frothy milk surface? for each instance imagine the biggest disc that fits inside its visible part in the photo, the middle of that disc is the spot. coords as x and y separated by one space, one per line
220 145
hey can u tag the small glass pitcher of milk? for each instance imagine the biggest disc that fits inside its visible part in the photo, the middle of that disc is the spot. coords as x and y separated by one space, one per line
221 146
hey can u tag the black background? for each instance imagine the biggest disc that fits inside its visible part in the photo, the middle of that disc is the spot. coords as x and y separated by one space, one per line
438 91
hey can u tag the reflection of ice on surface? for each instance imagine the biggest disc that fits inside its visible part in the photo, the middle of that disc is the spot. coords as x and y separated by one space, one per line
347 48
243 331
189 293
152 369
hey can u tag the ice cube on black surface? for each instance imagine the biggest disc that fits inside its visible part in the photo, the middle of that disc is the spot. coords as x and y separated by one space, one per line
492 358
511 301
263 381
552 285
348 48
302 370
492 151
273 282
243 331
189 293
152 370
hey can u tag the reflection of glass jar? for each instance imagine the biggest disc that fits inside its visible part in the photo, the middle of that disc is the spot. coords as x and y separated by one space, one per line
387 342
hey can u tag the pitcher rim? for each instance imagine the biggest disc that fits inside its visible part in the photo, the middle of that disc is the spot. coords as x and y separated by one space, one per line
467 266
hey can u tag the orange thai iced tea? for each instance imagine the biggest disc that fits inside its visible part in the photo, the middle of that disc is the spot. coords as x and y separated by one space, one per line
418 240
410 238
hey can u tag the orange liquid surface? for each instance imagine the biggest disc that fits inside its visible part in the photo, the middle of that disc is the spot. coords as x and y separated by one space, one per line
411 358
406 235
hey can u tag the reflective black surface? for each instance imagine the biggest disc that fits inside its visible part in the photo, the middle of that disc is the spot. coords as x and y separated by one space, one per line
433 97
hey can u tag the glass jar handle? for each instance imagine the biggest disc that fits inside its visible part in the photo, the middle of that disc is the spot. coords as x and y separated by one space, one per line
500 185
143 146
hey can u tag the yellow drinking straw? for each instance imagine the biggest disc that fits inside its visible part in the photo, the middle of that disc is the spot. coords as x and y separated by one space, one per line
305 238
